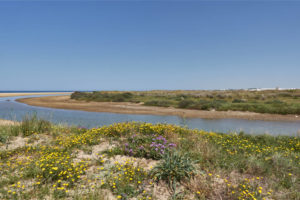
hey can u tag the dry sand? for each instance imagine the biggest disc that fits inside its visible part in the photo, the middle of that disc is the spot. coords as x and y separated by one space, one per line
64 102
32 93
6 122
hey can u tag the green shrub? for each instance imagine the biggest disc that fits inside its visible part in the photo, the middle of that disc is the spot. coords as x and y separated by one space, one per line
126 180
275 102
145 146
201 105
161 103
174 168
186 103
238 101
3 136
79 95
32 124
285 94
102 96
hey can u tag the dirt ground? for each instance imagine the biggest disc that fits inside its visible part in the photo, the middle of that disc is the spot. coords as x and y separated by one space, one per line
64 102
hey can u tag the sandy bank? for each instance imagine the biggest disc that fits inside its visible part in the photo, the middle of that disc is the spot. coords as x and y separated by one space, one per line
32 93
6 122
64 102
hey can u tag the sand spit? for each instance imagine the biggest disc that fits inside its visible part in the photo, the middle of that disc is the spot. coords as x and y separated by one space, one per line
32 93
64 102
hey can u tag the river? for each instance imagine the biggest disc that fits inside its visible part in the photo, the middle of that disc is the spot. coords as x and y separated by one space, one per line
12 110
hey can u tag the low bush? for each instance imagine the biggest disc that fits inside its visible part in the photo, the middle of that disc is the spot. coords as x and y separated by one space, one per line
102 96
203 165
55 166
238 101
186 103
161 103
275 102
153 147
144 146
126 180
32 124
174 168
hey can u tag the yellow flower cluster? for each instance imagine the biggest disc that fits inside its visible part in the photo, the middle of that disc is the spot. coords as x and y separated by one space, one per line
57 166
234 144
92 136
76 140
129 177
247 189
127 128
15 189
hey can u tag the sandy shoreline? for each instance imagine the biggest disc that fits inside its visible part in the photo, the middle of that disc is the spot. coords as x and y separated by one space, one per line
64 102
31 93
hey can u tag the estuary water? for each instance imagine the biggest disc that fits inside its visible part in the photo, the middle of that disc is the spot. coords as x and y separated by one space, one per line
12 110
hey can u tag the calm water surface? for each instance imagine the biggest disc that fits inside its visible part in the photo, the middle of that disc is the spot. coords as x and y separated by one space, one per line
12 110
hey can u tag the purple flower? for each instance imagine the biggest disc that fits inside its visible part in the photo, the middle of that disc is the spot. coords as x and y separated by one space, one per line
152 144
172 145
130 151
162 139
141 147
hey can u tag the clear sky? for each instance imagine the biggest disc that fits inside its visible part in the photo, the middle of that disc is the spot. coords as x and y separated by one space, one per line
134 45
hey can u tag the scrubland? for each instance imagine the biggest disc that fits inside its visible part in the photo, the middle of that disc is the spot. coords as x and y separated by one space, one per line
134 160
268 101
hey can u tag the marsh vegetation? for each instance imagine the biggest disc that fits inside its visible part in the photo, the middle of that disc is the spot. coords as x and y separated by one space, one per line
268 101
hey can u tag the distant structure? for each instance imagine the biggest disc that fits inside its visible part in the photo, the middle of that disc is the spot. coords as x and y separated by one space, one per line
263 89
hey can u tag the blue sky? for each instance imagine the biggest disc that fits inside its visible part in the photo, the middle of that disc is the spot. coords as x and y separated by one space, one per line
133 45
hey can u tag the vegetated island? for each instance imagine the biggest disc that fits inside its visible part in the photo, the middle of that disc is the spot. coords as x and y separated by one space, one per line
275 105
144 161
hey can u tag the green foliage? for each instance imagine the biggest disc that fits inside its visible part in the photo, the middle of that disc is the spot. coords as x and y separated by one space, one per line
8 131
186 103
229 166
126 180
247 189
54 165
161 103
175 167
237 101
102 96
273 101
145 146
4 134
32 124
